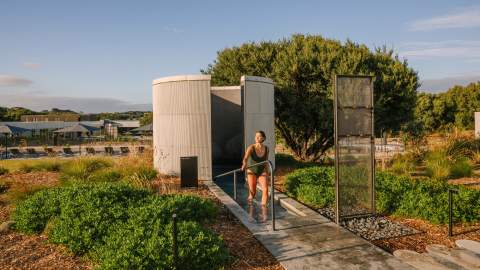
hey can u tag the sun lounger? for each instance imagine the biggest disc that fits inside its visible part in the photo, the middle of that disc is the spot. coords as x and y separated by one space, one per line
67 151
124 150
32 152
15 152
140 149
50 152
91 151
109 150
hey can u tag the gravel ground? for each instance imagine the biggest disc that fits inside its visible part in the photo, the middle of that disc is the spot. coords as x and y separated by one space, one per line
373 227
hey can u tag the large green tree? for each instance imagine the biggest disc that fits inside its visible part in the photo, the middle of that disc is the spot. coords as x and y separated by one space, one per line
454 107
303 68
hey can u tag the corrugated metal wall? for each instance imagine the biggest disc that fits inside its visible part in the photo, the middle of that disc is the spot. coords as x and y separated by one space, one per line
259 111
182 123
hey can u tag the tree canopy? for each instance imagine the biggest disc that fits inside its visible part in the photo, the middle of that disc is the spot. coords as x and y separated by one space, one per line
303 68
453 108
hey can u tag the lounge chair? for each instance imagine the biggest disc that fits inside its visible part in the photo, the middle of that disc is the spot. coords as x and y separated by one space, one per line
15 152
124 150
91 151
50 152
140 149
67 151
32 152
109 150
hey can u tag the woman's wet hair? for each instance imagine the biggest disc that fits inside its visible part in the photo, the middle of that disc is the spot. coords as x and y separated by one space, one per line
262 133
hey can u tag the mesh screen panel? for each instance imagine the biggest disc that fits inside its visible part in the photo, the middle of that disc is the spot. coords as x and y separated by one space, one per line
354 146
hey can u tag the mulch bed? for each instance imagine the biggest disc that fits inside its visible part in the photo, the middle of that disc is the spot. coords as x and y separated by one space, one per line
19 251
431 234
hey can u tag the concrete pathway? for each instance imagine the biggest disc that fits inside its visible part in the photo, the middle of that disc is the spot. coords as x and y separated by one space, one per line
306 240
442 257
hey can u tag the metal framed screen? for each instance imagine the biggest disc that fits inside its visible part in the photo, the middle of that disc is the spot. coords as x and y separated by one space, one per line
354 146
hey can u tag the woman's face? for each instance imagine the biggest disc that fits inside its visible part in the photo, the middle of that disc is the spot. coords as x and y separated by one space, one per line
259 138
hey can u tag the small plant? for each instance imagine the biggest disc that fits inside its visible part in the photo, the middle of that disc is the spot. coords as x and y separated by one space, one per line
46 165
461 168
3 170
437 165
3 187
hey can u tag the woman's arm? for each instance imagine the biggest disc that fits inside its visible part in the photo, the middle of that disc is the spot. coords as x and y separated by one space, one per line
245 157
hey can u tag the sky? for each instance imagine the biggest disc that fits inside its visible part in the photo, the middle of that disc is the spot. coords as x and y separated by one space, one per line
99 56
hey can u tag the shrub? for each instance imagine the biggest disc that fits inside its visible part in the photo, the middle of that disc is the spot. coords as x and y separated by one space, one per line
461 168
91 213
46 165
123 227
3 170
389 190
437 165
32 215
403 164
151 248
324 176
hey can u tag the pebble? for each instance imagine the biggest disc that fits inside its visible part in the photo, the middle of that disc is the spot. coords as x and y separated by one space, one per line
372 227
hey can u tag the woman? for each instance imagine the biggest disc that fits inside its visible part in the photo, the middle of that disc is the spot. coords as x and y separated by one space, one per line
257 153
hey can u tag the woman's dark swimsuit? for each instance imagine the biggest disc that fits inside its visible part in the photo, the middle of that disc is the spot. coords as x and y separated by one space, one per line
253 159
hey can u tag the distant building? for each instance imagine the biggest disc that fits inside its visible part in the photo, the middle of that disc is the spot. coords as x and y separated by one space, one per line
70 117
45 129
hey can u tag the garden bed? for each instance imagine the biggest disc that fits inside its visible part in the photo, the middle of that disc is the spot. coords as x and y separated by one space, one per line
22 251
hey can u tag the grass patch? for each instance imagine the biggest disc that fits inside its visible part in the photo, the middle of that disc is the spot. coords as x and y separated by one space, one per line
3 170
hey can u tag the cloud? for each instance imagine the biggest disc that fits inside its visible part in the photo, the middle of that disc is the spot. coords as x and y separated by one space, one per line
86 105
32 65
466 18
468 49
12 80
436 85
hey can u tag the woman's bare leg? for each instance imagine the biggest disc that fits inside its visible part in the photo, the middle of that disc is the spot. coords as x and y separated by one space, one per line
252 185
263 179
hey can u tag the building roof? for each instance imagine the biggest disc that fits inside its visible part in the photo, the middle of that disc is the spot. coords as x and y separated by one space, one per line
77 128
52 125
145 128
8 129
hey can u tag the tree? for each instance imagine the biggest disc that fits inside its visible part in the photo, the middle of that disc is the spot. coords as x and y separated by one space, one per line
146 119
454 107
303 67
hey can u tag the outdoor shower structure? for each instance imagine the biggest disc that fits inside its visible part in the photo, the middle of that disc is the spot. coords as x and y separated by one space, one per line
215 124
354 146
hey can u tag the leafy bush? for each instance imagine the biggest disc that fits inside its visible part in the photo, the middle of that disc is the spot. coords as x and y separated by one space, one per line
398 195
316 176
87 217
389 189
151 247
124 227
32 215
3 170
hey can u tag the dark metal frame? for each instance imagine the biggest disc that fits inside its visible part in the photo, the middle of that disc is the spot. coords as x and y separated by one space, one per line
372 148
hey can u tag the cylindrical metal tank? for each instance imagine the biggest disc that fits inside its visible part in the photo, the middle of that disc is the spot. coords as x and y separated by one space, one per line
182 123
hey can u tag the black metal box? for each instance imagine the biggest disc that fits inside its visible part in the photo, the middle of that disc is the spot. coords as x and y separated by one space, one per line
189 171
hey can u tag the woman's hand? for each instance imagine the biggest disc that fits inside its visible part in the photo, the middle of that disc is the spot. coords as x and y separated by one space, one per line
243 167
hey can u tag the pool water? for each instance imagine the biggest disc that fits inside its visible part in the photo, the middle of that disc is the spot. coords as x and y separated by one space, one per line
255 210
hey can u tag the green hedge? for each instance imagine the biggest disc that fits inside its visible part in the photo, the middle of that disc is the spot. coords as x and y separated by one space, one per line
397 195
122 227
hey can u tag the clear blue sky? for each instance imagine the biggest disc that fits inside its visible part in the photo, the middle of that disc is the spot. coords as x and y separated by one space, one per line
91 54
